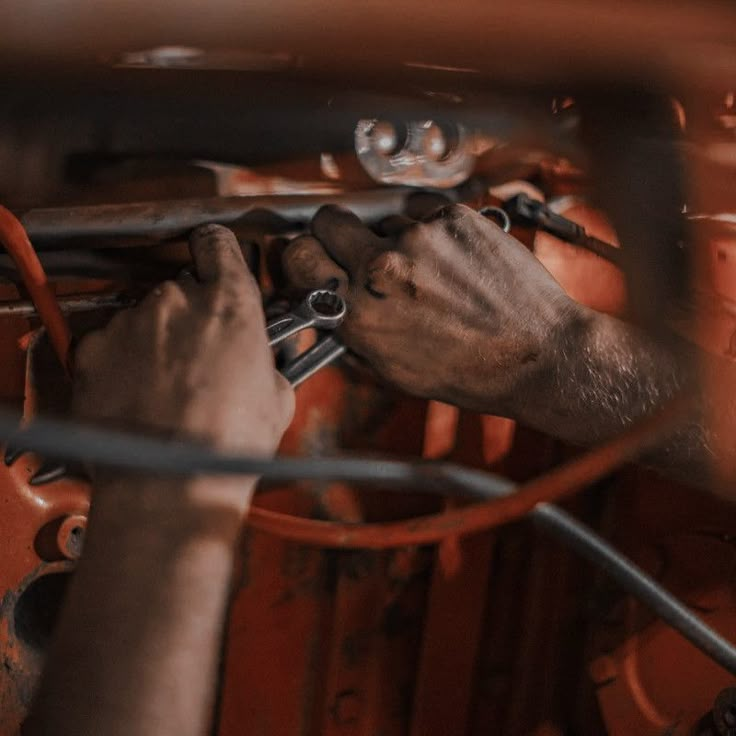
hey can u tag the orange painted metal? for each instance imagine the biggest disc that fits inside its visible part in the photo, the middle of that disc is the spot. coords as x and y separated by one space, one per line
458 592
481 635
325 642
649 680
336 642
34 565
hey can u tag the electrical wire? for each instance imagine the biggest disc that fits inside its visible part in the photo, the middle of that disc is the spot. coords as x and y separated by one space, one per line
15 239
72 441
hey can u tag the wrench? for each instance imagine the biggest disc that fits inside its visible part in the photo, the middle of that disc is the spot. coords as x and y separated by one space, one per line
322 309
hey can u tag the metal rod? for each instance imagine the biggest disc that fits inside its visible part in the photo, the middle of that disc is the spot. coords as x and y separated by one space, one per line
177 217
68 304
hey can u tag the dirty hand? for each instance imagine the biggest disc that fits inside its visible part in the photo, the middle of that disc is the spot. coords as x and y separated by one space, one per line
191 359
451 308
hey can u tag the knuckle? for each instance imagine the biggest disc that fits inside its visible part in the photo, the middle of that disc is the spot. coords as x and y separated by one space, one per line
384 262
441 213
458 221
392 262
450 215
457 211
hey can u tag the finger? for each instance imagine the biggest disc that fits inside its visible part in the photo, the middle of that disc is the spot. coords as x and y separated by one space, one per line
394 225
217 256
461 221
307 266
344 236
422 204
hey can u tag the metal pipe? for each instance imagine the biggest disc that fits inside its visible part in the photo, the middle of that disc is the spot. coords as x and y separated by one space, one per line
172 218
68 304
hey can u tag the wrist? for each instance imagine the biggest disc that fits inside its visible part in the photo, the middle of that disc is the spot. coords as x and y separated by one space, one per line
170 509
541 398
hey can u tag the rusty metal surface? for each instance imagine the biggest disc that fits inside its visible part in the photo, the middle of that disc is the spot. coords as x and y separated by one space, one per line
68 305
338 653
38 527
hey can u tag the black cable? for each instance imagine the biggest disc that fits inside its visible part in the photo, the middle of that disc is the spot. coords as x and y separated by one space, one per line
72 441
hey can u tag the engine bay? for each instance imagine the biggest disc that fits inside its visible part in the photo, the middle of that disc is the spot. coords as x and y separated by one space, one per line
357 609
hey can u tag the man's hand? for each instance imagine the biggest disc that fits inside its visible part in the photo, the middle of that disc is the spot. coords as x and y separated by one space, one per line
452 308
192 359
136 647
457 310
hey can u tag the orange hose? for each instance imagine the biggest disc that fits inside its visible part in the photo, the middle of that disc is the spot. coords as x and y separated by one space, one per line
15 239
553 486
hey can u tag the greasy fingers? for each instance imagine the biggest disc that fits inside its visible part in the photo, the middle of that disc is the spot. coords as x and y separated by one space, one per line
394 224
307 266
216 255
450 307
192 358
343 235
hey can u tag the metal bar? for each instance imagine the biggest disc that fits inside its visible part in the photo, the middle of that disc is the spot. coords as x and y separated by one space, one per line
317 357
177 217
68 304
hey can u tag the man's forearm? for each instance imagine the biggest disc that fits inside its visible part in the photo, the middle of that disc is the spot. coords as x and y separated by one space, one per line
137 645
607 374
